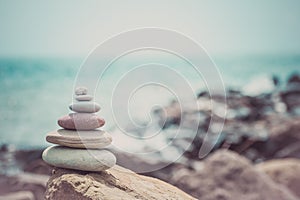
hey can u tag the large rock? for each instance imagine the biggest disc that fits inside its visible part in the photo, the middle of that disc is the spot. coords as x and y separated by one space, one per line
226 175
115 183
283 171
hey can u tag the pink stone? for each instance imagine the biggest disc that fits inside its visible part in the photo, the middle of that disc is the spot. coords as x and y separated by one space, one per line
80 121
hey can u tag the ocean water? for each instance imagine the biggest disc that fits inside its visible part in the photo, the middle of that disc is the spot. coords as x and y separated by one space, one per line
36 92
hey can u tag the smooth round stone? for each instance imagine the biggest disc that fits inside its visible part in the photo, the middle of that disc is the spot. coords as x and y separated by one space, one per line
85 107
80 139
79 159
81 91
84 98
81 121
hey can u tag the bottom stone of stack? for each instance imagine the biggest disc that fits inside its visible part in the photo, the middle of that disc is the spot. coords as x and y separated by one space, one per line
79 159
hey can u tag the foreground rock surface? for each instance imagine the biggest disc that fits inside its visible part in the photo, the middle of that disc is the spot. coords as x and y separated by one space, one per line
115 183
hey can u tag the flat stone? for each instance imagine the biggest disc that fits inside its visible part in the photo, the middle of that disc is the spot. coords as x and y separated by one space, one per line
80 121
79 159
84 97
81 91
85 107
80 139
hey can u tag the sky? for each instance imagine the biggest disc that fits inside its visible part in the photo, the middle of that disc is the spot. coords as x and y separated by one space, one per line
73 28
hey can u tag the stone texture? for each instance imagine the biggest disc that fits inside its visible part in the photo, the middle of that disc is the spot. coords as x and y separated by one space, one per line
81 91
80 139
226 175
283 171
84 98
85 107
80 121
116 183
80 159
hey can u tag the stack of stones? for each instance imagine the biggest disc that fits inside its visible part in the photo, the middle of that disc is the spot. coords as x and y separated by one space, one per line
80 143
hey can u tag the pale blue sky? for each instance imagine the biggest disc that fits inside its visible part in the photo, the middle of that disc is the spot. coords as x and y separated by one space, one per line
74 28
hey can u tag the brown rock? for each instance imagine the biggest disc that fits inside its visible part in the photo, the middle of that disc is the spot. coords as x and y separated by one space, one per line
80 121
226 175
80 139
115 183
283 171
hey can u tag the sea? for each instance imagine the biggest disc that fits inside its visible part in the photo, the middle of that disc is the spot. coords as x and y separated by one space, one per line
35 92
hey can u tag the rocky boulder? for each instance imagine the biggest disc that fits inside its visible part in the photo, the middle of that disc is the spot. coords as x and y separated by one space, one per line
115 183
283 171
226 175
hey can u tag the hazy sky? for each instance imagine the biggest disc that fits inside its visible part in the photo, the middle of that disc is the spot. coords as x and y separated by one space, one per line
73 28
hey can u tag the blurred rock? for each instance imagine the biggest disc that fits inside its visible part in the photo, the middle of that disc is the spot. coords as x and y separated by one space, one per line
115 183
283 140
294 78
33 183
23 175
283 171
226 175
21 195
31 161
291 94
169 115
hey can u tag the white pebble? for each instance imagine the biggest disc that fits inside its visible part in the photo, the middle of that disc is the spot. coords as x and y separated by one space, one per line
81 91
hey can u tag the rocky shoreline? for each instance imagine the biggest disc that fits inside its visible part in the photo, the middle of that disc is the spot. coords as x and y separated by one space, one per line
222 175
255 157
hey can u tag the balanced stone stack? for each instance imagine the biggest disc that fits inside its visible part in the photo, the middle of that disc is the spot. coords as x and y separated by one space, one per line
80 144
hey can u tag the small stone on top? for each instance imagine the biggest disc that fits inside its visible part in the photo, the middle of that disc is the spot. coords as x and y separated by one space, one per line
81 91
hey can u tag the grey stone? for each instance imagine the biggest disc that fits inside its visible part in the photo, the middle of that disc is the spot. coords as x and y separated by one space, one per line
79 159
85 107
84 97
